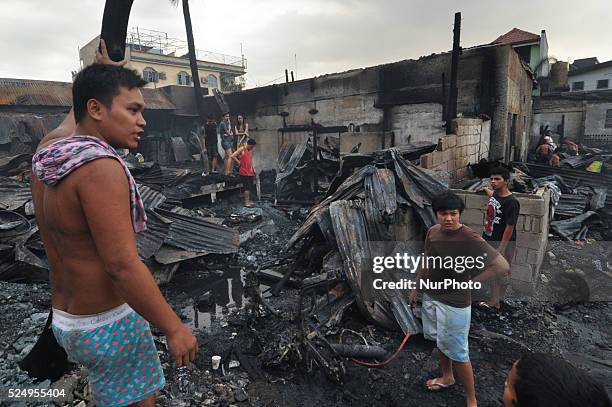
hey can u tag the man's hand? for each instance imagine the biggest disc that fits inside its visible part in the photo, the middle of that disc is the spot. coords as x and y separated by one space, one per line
183 346
103 58
487 191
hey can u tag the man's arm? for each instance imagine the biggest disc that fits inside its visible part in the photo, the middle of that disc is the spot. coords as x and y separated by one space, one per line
202 138
66 128
498 268
505 238
487 191
103 191
511 213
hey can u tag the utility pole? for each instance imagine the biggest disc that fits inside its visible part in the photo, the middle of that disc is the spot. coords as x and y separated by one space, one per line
453 91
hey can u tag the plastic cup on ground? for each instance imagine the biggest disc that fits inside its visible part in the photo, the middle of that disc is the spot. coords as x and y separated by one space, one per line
216 361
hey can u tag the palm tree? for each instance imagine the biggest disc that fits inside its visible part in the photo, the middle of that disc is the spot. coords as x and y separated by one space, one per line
193 62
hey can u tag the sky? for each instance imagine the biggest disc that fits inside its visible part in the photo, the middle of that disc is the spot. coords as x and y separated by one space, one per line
41 38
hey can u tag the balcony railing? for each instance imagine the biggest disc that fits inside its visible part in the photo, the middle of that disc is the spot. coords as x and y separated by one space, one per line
158 43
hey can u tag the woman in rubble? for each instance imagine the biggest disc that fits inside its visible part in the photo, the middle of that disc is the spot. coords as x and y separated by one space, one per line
241 131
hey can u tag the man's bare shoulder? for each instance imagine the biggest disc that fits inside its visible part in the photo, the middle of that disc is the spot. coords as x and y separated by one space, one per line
101 172
53 136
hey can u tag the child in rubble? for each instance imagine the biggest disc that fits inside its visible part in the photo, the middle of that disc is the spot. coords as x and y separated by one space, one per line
447 312
246 172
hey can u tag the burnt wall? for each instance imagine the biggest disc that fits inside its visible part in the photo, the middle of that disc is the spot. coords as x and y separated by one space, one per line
407 98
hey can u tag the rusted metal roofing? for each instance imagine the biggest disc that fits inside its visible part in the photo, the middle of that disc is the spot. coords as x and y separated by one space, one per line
28 92
155 99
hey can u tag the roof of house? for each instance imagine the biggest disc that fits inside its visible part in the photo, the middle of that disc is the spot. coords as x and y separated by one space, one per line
595 67
29 92
584 62
516 36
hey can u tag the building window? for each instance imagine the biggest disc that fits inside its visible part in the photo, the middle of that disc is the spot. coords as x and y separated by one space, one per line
150 75
212 81
602 84
608 124
184 78
578 85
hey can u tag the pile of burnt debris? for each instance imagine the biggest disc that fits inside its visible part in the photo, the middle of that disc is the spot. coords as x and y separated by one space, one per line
284 294
307 170
580 200
176 231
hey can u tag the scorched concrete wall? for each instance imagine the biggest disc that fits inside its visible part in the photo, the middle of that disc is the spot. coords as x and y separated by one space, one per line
469 143
399 101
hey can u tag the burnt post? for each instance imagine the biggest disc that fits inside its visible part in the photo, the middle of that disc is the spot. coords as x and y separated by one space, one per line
286 82
114 27
452 105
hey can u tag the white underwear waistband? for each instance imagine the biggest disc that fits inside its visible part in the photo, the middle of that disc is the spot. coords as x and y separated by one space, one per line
69 322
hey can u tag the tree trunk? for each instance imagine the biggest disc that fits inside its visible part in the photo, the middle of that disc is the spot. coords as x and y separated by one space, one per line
197 89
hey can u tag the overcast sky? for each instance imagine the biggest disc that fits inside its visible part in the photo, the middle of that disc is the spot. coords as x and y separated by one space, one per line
40 38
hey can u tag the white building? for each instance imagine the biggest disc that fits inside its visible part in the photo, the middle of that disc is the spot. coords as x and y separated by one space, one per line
164 61
594 77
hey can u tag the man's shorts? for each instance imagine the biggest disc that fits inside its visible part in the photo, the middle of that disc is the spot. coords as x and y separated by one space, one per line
117 349
448 326
248 183
211 149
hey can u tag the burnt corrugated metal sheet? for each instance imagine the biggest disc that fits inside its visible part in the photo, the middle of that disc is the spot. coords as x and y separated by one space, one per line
28 92
570 205
13 194
151 240
572 177
199 235
150 197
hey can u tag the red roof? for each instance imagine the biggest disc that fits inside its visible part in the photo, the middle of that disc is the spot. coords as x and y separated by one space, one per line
516 36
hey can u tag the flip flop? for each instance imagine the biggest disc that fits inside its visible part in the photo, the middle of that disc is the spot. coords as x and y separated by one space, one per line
484 305
435 386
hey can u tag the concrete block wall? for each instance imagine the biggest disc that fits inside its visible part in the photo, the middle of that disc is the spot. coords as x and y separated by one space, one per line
455 152
531 233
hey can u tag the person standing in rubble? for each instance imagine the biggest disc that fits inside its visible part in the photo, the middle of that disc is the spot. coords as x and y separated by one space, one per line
446 312
247 173
88 210
241 131
227 141
210 142
500 228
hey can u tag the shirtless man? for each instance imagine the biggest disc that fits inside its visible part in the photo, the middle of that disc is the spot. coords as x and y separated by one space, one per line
102 293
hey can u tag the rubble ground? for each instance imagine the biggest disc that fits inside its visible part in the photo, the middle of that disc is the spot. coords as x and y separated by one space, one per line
208 292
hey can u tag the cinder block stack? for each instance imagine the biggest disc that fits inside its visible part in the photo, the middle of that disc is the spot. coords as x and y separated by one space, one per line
531 229
456 151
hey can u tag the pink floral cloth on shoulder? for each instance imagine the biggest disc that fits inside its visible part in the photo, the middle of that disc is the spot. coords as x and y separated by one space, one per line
57 160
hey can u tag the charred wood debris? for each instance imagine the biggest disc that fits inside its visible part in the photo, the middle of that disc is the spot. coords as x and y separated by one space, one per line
381 197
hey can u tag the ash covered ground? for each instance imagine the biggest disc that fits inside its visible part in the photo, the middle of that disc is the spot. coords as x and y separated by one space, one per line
263 364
